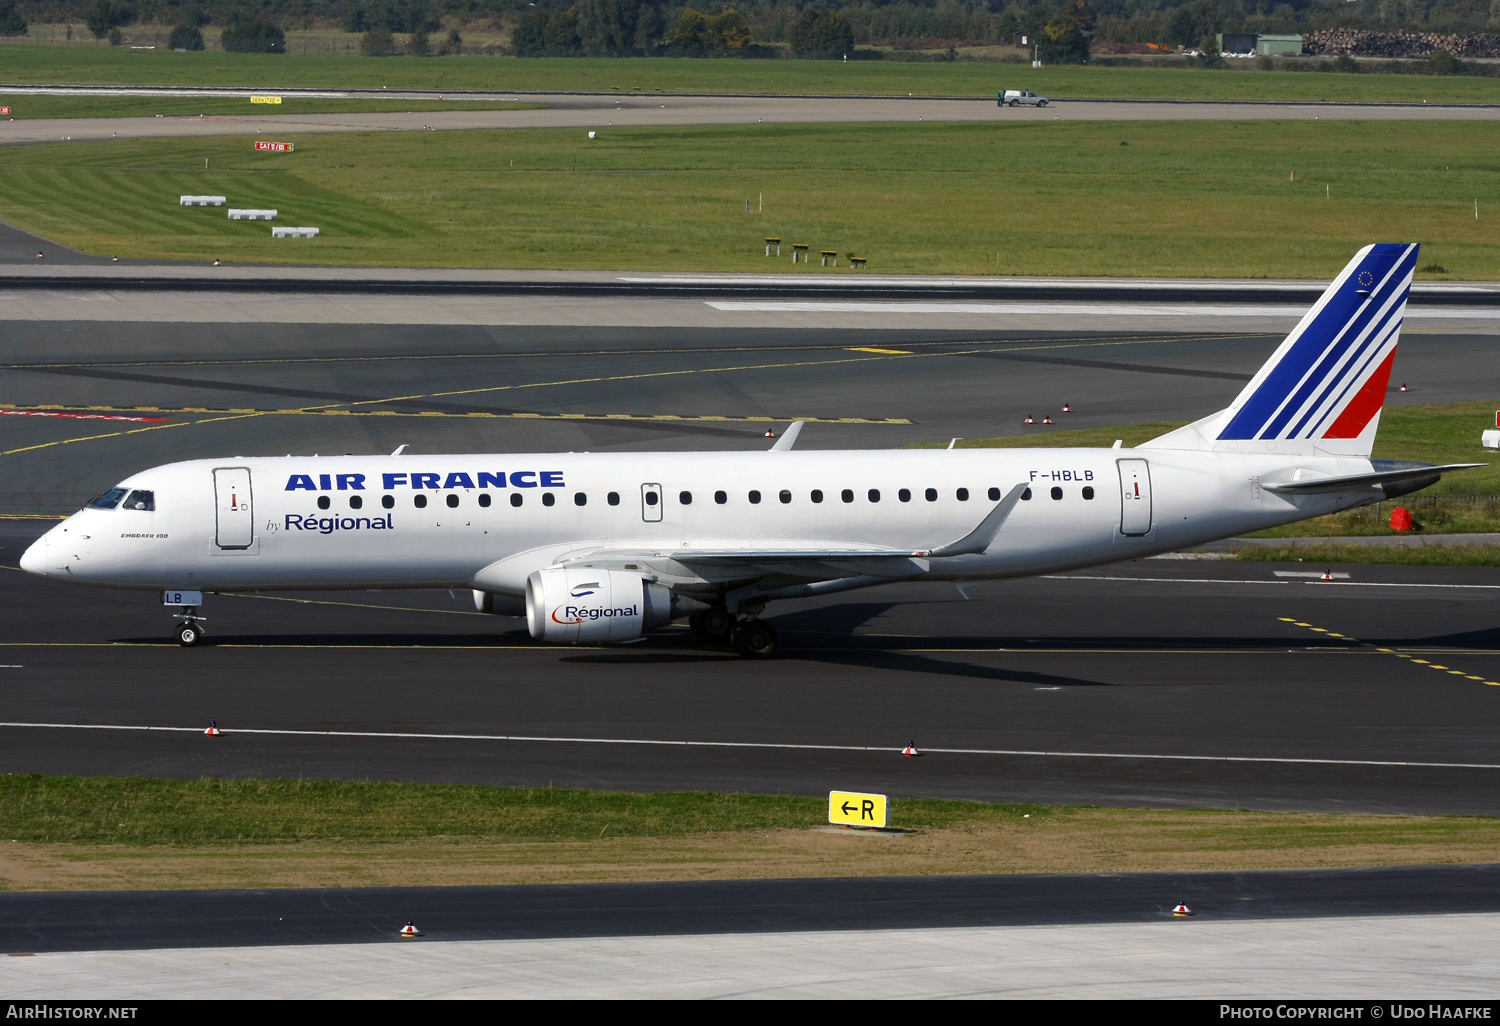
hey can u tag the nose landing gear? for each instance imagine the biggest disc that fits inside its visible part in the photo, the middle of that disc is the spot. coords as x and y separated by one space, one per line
189 628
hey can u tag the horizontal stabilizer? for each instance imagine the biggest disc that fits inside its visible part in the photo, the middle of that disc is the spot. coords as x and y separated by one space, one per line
1397 478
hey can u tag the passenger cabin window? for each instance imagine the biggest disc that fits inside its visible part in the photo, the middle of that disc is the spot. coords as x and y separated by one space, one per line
453 500
1088 491
874 494
847 495
904 495
389 501
613 498
721 497
785 496
963 495
419 501
1056 493
110 499
515 498
548 498
930 495
994 495
355 502
142 500
323 502
817 495
754 498
579 499
686 498
484 499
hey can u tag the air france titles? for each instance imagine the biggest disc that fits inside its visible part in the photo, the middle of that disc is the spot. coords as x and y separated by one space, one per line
421 480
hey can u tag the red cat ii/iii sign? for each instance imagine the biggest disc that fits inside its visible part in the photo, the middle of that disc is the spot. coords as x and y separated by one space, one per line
275 147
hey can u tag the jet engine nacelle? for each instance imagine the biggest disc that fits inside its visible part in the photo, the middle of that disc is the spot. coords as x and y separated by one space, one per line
573 605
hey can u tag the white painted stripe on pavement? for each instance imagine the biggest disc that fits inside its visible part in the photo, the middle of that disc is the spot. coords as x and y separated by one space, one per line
1058 309
1230 580
227 731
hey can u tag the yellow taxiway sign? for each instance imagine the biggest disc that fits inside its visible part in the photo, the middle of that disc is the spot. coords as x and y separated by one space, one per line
855 808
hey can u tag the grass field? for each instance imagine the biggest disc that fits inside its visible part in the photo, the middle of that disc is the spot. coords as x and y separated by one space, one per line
25 107
50 65
1143 198
113 833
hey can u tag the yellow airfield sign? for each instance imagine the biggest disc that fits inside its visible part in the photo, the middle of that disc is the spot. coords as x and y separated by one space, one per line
855 808
265 99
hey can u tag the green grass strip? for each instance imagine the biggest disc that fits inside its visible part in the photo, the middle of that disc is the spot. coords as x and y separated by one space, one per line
28 107
138 810
1400 555
1199 198
27 63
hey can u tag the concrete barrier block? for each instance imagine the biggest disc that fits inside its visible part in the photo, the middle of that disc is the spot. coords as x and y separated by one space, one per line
203 201
1491 438
281 232
238 214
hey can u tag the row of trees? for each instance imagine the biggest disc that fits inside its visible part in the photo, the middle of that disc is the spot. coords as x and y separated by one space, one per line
728 26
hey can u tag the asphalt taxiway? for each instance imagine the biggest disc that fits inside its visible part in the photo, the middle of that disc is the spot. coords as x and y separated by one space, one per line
1167 683
603 112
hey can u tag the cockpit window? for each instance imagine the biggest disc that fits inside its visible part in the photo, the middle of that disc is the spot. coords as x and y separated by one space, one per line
110 499
141 499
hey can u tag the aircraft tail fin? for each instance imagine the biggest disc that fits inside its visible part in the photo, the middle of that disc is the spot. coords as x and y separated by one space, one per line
1324 387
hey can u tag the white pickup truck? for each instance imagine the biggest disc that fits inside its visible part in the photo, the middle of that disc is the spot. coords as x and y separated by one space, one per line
1016 97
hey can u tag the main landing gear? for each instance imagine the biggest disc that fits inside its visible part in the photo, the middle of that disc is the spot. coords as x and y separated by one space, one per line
751 638
190 628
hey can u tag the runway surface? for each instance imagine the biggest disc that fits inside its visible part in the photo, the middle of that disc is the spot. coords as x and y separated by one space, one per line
604 112
124 920
1151 683
91 401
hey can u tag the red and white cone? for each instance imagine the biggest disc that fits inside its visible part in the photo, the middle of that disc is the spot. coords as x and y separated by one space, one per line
1181 910
213 728
1327 575
1404 388
410 930
1046 420
1028 420
910 751
1067 407
770 434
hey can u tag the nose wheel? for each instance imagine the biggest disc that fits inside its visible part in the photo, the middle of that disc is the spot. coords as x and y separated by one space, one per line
189 629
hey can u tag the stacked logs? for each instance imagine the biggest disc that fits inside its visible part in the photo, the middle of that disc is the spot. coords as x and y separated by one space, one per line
1365 43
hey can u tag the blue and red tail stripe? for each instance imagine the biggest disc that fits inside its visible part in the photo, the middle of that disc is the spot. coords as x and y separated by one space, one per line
1332 373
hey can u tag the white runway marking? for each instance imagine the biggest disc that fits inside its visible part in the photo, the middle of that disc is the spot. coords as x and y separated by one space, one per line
888 749
1230 580
1146 309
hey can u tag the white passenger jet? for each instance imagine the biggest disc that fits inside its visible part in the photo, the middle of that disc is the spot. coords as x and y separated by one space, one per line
603 547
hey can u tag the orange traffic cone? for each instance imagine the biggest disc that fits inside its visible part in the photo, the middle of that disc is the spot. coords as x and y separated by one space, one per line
1404 388
1067 408
910 751
213 728
410 930
1028 420
1046 420
1327 576
770 434
1181 910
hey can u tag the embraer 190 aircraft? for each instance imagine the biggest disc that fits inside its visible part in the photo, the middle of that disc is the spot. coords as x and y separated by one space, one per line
603 547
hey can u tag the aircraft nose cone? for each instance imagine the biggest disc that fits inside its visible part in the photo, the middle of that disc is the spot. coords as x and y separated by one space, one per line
34 559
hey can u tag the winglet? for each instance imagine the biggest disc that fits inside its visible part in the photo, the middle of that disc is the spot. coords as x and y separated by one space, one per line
789 438
979 539
399 449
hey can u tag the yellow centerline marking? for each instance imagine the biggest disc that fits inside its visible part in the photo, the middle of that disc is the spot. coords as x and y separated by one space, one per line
887 352
1399 655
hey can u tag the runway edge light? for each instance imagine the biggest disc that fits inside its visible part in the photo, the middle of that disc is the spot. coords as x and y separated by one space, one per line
857 808
213 729
410 929
1181 911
